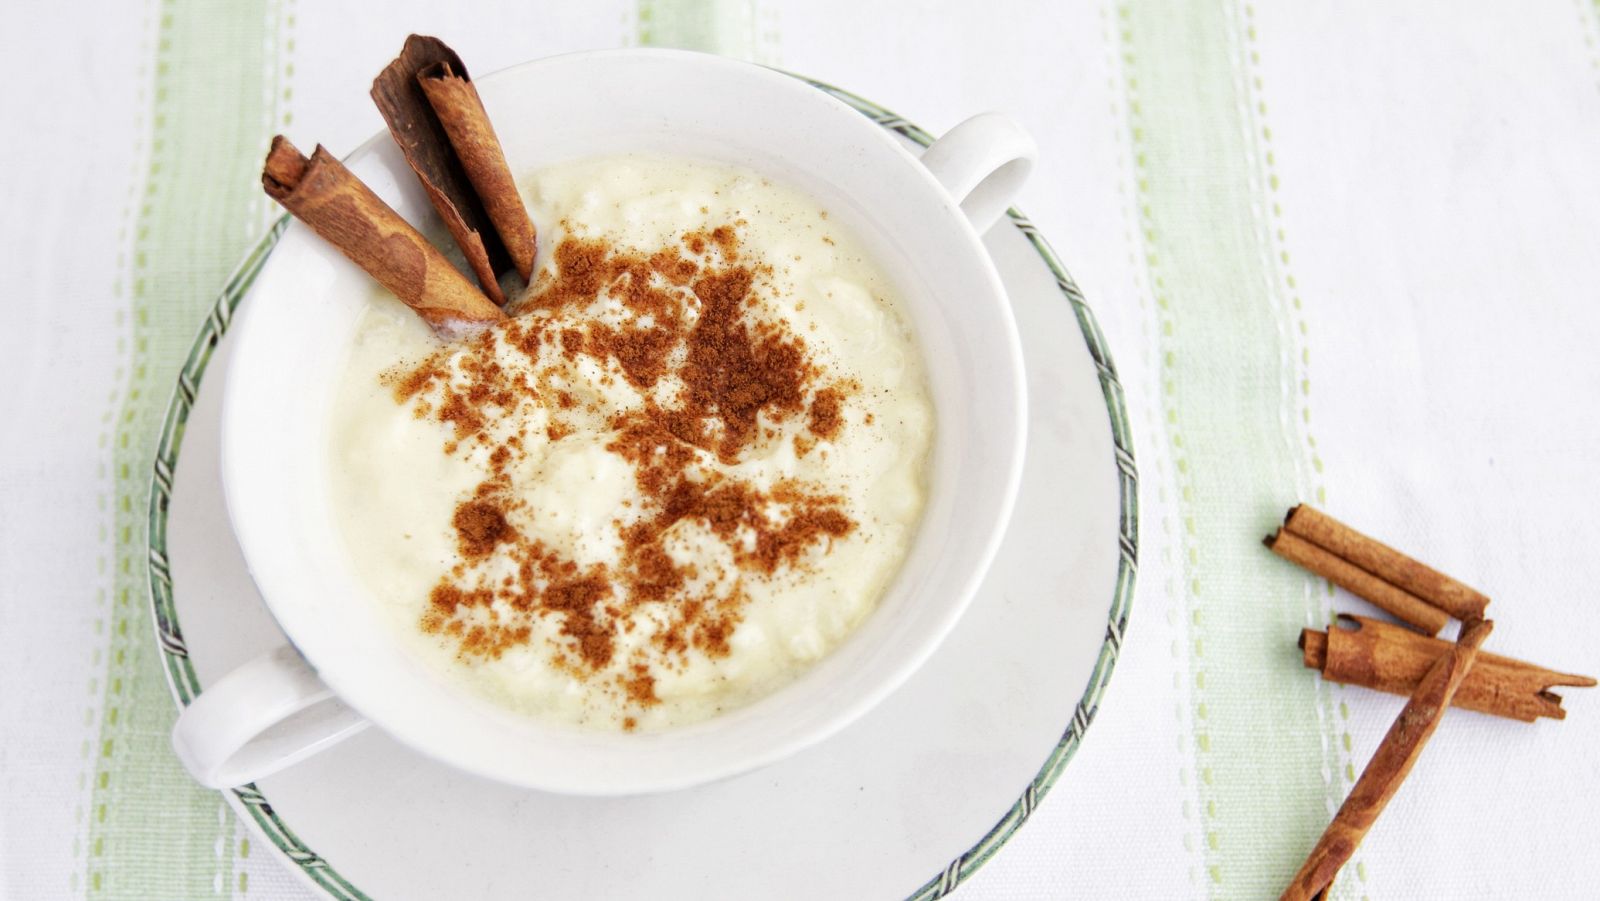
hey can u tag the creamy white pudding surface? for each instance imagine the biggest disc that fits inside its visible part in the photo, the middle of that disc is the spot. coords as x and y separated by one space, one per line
682 472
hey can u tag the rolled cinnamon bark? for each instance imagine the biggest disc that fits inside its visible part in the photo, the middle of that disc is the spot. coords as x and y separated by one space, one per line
1455 598
1357 581
1389 765
323 194
416 128
455 101
1388 658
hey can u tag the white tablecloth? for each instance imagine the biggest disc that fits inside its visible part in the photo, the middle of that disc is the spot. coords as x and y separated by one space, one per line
1344 253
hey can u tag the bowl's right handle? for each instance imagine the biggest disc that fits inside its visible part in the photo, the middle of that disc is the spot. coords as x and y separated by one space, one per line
982 163
268 714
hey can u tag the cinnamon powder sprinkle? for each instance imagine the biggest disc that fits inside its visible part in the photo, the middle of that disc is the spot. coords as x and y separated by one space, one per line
826 415
480 527
717 383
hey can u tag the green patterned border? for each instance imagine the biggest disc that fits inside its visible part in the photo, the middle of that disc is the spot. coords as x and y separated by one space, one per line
185 686
174 653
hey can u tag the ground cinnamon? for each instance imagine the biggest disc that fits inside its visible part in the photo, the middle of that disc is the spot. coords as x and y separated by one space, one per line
688 319
826 418
1392 659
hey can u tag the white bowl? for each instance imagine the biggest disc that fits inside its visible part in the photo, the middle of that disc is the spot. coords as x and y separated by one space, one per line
291 341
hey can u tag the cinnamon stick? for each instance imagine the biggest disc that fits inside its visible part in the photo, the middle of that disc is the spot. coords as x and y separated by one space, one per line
426 145
1388 658
1389 765
1352 578
323 194
1453 597
455 101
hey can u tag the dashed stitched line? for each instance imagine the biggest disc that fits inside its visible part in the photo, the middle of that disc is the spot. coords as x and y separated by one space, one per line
288 64
130 231
1131 131
1280 263
1261 135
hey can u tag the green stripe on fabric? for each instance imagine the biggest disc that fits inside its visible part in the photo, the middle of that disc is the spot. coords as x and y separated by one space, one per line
1589 22
1296 373
152 832
1262 736
729 27
1155 462
106 546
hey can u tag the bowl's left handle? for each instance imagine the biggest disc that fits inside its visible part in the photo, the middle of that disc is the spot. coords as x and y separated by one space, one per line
266 715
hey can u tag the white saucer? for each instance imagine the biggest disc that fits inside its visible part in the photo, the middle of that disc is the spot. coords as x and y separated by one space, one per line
908 801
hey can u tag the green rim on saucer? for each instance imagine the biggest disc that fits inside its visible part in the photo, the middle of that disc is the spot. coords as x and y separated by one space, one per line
185 685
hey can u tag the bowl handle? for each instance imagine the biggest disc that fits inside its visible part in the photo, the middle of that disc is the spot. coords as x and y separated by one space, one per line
266 715
982 163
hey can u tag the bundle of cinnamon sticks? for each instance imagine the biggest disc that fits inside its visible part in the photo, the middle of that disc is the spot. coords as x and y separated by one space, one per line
436 117
1405 660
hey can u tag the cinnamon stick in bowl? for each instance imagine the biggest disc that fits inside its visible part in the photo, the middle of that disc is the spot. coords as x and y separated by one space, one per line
328 198
433 111
455 101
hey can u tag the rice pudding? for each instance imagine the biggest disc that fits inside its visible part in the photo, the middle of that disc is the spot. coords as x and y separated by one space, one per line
682 471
